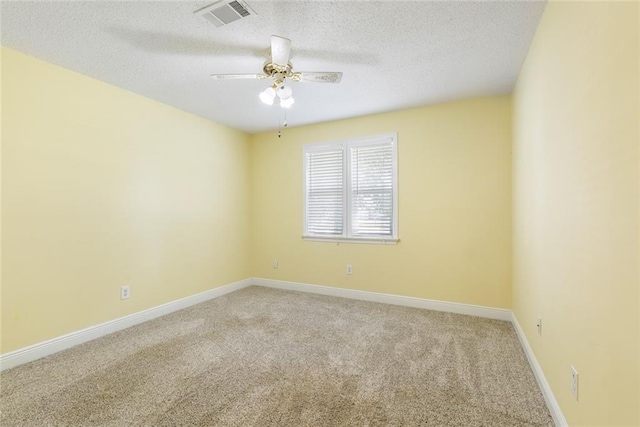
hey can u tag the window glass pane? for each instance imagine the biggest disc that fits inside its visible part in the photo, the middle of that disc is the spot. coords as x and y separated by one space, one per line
325 192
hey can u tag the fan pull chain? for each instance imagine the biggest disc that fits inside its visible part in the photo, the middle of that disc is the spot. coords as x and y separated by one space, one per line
284 124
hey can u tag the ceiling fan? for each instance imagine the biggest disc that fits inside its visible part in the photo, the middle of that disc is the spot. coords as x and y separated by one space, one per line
280 70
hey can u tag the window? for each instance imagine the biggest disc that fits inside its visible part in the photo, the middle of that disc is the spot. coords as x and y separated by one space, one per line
350 190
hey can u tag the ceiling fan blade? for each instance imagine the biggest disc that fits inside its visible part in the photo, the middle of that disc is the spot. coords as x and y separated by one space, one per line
280 50
317 77
237 76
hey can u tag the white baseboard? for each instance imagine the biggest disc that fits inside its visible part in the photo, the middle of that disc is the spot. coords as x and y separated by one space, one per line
451 307
46 348
552 403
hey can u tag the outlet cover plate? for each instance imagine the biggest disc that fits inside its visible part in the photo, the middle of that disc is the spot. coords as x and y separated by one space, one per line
124 292
574 382
539 325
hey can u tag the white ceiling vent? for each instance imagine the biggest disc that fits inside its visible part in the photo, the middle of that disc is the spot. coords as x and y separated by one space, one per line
225 12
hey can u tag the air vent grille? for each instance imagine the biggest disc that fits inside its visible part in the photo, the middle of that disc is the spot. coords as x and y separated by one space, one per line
225 12
239 8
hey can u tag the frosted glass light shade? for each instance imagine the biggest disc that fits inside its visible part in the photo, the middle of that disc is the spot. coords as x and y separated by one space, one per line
284 92
268 95
287 102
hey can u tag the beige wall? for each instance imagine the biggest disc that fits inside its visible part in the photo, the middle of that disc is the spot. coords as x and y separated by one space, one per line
454 206
576 206
103 188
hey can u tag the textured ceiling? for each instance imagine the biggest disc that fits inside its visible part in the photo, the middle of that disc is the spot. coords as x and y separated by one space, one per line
394 54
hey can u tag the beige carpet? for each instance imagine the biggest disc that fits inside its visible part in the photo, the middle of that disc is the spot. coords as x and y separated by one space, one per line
264 357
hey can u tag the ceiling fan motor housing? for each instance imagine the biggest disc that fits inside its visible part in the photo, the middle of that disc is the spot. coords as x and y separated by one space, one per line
272 70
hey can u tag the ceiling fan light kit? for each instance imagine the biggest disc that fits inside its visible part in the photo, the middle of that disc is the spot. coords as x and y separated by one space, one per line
278 91
279 69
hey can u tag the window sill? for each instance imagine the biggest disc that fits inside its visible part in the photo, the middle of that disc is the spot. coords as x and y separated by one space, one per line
371 241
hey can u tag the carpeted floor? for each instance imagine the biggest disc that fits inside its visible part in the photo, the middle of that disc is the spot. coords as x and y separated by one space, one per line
265 357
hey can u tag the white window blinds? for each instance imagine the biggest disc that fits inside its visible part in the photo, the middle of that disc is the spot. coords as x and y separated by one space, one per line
351 190
325 192
372 190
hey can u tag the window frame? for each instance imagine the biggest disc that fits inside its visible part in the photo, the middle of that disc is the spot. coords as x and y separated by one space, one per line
346 146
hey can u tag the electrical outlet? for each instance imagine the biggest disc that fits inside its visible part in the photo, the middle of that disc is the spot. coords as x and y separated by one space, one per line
274 264
349 269
124 292
539 325
574 382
